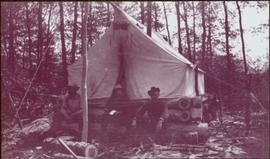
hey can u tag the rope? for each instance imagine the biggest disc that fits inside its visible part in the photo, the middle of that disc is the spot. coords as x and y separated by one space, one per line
250 93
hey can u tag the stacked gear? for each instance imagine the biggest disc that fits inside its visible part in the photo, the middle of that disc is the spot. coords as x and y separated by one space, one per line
186 110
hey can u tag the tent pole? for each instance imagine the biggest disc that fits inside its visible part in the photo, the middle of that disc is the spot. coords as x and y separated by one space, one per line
196 81
84 75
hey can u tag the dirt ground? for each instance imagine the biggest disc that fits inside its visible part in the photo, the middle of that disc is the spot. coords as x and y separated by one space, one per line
226 140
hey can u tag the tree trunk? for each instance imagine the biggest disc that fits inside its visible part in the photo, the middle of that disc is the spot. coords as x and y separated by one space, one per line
194 35
156 17
40 35
74 34
64 54
23 55
11 58
242 38
84 75
167 26
209 39
149 17
29 36
204 31
226 28
177 7
142 12
108 14
46 72
187 31
89 26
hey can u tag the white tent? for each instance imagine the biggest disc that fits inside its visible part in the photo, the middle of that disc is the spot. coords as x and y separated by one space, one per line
146 62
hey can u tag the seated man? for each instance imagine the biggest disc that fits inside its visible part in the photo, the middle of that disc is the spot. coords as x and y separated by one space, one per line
156 109
210 108
115 105
70 114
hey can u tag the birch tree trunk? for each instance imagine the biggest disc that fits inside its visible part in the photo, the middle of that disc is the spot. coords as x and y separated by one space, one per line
84 75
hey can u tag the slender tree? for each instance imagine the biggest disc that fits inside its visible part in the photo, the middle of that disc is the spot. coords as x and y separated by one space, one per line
12 53
242 37
46 72
74 33
142 12
156 17
64 53
177 7
149 17
226 28
28 26
84 74
204 30
23 55
209 38
40 34
187 31
108 14
194 32
167 26
89 25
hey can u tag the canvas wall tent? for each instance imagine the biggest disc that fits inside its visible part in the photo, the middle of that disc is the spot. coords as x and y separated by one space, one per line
126 54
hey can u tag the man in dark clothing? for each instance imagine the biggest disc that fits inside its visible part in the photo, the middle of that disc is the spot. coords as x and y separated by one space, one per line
69 115
156 110
114 106
210 108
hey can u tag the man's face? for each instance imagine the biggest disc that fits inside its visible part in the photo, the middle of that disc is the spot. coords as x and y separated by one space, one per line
119 93
155 95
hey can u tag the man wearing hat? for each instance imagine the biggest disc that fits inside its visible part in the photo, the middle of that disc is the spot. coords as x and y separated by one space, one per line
156 109
115 104
70 113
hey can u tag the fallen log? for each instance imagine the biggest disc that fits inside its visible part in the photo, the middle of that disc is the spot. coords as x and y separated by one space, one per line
183 147
66 156
78 147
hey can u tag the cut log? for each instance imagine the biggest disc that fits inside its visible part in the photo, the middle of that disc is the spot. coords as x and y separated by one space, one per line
78 147
66 156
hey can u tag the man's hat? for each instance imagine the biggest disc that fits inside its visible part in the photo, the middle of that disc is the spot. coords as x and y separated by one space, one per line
153 89
73 88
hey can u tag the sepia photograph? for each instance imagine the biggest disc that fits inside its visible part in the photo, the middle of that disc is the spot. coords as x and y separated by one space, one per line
134 79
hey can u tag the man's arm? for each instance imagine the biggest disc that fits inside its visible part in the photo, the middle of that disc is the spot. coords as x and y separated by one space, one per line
165 112
141 110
